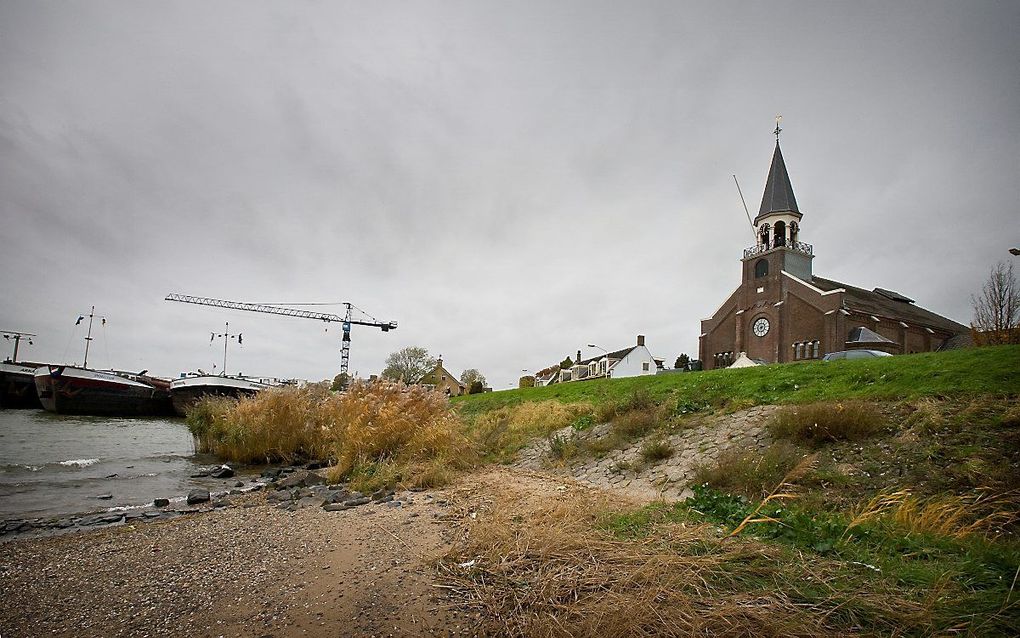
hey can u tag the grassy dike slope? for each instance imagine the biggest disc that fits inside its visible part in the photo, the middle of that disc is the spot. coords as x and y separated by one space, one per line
907 527
976 371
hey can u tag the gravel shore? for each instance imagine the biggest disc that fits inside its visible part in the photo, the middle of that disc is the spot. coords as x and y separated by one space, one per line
249 570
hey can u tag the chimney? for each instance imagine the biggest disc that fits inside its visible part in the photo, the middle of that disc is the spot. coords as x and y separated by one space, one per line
578 359
439 362
641 340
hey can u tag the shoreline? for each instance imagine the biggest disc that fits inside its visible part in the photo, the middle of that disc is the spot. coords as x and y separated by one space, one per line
256 565
42 526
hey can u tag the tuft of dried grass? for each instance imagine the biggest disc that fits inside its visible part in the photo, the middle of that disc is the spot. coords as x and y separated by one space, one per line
750 473
951 516
555 572
634 424
818 423
656 449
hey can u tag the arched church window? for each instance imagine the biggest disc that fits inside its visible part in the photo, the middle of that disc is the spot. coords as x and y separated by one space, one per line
779 236
794 231
816 350
761 268
764 235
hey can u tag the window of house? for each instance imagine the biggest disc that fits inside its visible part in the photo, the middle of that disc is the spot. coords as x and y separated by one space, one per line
644 366
761 268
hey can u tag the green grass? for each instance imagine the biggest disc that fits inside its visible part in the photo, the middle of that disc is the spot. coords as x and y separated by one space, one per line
936 374
970 577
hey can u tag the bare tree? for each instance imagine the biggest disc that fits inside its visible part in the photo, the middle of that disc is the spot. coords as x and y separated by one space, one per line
471 375
997 308
409 364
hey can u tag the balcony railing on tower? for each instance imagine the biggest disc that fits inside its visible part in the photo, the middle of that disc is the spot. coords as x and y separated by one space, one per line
796 246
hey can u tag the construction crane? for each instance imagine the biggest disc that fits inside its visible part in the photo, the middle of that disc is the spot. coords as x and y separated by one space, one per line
346 321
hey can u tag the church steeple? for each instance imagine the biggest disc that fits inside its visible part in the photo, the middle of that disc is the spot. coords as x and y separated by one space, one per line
777 228
778 197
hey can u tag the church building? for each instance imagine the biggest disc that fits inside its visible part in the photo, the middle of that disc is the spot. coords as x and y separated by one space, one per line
782 311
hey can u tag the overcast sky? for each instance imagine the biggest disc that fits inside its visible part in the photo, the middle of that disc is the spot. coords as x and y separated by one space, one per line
507 180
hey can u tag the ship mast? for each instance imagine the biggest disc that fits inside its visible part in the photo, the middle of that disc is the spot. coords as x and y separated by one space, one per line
88 337
226 338
17 336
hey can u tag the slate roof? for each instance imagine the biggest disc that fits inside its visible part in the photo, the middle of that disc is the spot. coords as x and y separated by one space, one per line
861 334
891 306
778 197
619 354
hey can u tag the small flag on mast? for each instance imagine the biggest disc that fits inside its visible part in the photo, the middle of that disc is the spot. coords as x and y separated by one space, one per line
80 319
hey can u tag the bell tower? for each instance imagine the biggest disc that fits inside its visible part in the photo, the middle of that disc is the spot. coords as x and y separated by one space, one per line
777 228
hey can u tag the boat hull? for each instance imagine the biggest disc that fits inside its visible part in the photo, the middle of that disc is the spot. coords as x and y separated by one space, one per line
70 390
187 391
17 386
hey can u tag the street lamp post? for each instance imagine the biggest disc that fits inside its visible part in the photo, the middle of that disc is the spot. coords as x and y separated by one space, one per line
592 345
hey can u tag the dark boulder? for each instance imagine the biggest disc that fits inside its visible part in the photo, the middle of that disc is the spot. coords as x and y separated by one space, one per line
315 465
198 496
161 502
105 497
303 478
222 472
272 472
338 496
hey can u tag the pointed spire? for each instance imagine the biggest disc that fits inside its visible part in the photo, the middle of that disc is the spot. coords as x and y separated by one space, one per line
778 196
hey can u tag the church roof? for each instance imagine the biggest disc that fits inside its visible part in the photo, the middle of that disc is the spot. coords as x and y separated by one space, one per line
880 302
778 197
861 334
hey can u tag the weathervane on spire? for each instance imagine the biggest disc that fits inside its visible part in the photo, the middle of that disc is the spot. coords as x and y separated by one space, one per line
779 118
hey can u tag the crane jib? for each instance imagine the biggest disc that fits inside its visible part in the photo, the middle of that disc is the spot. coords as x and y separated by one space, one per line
346 320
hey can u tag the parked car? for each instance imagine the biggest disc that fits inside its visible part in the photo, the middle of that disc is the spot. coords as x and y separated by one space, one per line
854 354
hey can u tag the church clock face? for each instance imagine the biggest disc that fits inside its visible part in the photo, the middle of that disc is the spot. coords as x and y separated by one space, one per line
761 327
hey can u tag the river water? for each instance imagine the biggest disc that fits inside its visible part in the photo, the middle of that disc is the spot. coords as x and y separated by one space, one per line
54 465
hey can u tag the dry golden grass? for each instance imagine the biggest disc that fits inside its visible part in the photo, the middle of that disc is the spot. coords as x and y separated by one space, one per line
820 423
500 433
277 425
374 433
555 572
949 515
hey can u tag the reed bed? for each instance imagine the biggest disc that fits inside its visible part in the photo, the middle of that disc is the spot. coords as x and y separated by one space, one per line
374 433
555 572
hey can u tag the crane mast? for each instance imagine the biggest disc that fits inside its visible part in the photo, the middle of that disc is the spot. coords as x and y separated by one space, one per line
346 321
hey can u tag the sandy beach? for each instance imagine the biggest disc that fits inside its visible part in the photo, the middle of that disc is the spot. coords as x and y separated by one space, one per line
254 569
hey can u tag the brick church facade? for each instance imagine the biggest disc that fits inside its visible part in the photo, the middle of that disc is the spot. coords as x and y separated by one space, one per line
782 311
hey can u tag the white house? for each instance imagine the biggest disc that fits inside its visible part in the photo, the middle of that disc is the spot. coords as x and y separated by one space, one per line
633 361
